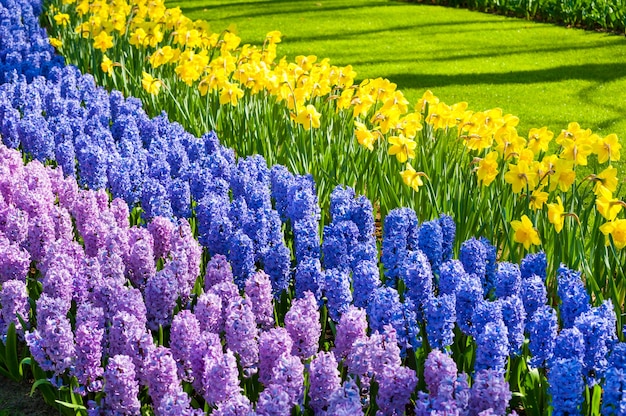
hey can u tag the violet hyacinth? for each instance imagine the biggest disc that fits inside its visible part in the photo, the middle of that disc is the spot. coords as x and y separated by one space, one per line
161 229
236 405
274 400
351 327
324 380
220 377
346 401
288 373
489 391
396 385
89 337
259 292
15 307
218 270
241 333
161 294
184 338
121 388
302 322
209 313
272 344
162 373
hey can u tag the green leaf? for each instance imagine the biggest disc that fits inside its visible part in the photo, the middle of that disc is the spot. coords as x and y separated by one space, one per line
11 358
71 405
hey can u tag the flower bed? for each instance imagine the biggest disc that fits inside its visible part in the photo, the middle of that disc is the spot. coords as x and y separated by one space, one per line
117 308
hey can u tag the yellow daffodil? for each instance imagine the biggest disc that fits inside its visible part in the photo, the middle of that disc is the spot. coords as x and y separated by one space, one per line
103 41
161 56
55 42
365 136
274 36
617 230
107 65
539 139
427 100
564 175
537 199
138 37
230 94
151 84
525 232
608 149
520 176
402 147
487 169
556 215
607 179
62 19
608 206
576 151
412 178
308 117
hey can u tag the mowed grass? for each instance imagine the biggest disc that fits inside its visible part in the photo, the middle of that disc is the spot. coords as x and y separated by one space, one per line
547 75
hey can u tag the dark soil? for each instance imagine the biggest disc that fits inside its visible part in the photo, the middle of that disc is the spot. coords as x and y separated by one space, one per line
15 400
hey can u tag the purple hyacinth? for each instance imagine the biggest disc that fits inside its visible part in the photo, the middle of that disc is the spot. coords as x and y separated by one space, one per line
209 312
450 274
492 347
89 336
161 294
338 294
120 387
218 270
489 391
324 380
15 306
184 339
220 377
288 372
161 229
396 385
351 327
430 241
129 336
534 294
439 369
176 403
140 265
440 313
542 329
272 344
259 292
566 386
242 332
162 373
346 401
274 400
508 280
302 321
52 344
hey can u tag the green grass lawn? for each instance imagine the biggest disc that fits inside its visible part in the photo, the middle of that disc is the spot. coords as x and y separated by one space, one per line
545 74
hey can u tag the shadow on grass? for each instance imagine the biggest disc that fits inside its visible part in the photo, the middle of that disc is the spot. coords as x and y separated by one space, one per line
587 72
